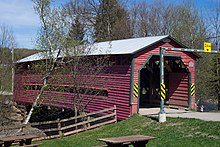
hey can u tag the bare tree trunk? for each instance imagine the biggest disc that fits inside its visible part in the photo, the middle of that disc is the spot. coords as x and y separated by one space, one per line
36 101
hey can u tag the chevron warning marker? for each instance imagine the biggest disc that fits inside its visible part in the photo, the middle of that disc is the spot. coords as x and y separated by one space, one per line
136 89
162 91
193 89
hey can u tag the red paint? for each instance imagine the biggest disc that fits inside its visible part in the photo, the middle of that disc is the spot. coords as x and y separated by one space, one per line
117 83
178 89
143 55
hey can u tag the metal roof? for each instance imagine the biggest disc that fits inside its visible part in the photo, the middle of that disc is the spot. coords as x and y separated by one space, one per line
126 46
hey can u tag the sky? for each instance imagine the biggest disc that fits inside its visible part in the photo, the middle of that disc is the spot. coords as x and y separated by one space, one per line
20 17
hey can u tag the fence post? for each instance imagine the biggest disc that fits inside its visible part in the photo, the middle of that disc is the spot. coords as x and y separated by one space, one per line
114 111
88 119
59 127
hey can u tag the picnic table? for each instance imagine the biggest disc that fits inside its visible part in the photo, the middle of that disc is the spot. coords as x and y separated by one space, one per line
22 139
125 141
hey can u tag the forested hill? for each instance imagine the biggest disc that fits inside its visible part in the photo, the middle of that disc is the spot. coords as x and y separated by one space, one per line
19 53
23 52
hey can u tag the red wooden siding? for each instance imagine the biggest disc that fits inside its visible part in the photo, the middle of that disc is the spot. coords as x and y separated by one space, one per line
117 83
178 89
143 55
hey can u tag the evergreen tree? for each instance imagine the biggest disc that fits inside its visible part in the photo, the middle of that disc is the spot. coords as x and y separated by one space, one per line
75 11
76 34
111 21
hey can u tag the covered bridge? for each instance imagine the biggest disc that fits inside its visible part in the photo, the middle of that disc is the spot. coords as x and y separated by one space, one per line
134 80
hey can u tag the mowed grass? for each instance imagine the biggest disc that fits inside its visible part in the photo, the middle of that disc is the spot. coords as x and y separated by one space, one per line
176 132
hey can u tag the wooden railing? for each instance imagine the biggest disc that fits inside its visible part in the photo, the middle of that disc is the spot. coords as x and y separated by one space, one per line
76 124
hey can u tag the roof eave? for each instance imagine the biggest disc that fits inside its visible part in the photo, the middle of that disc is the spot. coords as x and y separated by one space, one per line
168 36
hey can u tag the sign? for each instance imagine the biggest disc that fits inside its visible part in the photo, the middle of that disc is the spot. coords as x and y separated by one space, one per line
192 89
162 91
207 47
136 89
191 64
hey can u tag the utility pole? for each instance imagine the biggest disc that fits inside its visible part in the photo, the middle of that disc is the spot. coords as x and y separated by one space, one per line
13 68
218 71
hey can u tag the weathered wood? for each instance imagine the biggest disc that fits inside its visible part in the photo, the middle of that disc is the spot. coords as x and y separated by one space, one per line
88 114
135 140
86 124
59 127
44 123
50 130
72 118
88 119
102 124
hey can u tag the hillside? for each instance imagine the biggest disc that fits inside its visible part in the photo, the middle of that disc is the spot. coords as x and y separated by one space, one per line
5 65
23 52
176 132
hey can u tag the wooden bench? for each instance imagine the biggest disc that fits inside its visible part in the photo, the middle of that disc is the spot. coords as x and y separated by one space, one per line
125 141
22 139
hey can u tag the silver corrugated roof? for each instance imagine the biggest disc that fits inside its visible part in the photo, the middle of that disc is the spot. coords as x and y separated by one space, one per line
126 46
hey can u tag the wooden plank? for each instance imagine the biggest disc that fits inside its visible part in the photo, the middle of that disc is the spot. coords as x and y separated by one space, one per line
50 130
127 139
44 123
73 132
88 114
86 122
102 124
69 119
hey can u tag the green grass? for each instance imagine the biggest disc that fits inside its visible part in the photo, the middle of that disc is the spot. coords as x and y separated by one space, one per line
175 132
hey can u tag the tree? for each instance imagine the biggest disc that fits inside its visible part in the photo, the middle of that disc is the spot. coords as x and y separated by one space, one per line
52 39
84 68
214 29
160 18
111 21
65 53
76 11
7 44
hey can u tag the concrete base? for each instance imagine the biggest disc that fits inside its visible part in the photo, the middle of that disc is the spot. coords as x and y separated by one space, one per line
162 117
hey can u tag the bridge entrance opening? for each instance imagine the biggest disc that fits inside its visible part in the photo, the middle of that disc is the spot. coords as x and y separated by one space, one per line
175 78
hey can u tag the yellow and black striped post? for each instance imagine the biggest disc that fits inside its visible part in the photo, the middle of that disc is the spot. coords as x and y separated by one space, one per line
135 89
193 89
162 91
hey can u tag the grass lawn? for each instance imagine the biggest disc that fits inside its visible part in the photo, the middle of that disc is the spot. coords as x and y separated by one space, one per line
175 132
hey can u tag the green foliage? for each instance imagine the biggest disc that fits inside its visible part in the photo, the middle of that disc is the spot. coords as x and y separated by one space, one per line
76 33
23 52
175 132
6 65
111 21
207 77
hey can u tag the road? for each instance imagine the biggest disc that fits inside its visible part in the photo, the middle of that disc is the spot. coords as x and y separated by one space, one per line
207 116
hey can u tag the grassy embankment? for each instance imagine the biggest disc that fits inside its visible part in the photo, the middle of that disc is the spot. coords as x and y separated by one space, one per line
176 132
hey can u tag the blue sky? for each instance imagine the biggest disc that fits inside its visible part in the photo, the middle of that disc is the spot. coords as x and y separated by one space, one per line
21 18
